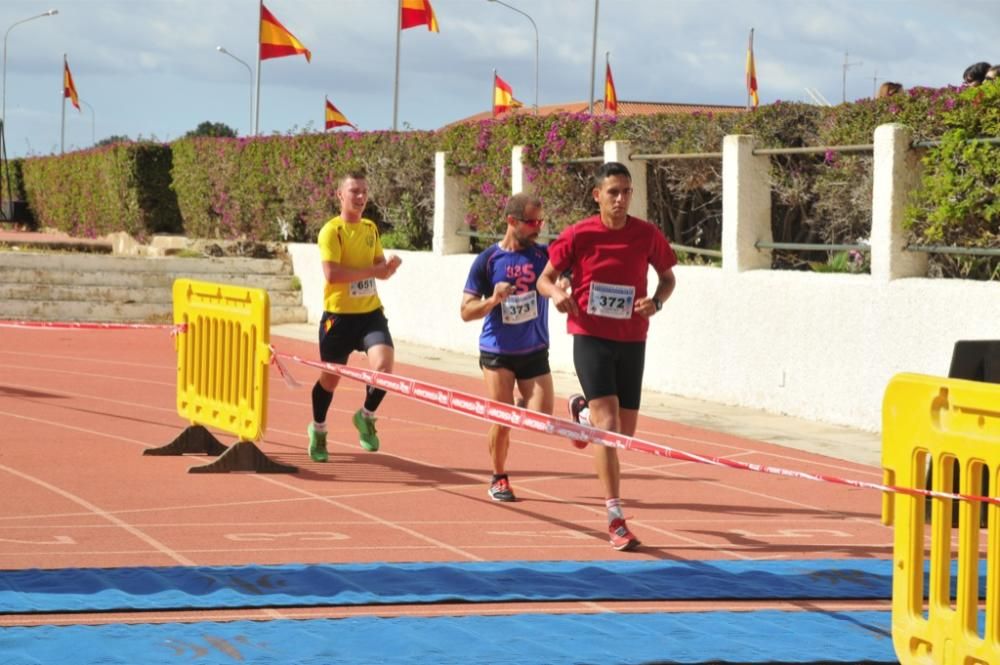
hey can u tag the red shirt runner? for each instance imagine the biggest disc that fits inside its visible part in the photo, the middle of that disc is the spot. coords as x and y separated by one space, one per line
611 263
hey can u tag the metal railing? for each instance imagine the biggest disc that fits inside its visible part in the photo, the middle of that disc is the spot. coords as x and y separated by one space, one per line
816 150
809 246
675 156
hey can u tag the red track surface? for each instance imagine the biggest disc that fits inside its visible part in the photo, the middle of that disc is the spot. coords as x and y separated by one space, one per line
77 408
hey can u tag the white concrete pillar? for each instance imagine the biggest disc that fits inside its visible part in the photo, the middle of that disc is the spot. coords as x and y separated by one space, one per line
517 169
449 210
895 173
746 206
618 151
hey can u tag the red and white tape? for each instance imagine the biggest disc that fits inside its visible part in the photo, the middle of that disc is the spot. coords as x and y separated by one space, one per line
511 416
519 418
87 325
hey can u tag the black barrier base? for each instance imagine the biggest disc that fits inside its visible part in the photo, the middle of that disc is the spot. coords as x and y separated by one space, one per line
193 440
244 456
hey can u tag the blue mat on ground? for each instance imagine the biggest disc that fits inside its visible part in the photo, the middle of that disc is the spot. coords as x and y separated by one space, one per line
718 637
168 588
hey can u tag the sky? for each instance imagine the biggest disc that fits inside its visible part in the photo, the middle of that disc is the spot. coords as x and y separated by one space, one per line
150 69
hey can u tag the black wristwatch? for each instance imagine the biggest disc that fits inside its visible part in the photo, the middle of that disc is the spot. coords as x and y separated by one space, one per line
657 302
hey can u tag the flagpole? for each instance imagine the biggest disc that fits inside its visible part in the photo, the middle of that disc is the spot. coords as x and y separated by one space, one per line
395 88
749 56
326 100
256 97
62 129
607 68
593 58
493 93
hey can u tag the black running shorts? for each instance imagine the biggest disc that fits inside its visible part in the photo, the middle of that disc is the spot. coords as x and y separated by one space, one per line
526 366
607 367
340 334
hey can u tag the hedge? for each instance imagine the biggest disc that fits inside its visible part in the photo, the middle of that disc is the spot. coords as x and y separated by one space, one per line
282 187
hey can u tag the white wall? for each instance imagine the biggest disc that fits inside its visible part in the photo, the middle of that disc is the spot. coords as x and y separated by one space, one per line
821 346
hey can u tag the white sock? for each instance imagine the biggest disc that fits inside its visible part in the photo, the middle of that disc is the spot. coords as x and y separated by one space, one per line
585 416
366 413
319 427
614 510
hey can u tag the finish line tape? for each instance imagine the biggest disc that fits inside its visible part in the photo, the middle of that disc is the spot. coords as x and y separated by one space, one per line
83 325
498 413
515 417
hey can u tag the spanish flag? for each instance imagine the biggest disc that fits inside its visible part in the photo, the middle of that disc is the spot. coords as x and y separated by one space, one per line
414 13
334 118
752 99
69 89
610 96
503 97
275 40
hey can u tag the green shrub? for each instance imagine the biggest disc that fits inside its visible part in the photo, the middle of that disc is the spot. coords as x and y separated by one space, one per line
123 187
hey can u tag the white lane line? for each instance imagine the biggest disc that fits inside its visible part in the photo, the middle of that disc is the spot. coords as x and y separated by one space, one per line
371 516
96 510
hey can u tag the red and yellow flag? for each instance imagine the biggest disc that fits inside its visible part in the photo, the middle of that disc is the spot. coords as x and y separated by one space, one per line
415 13
752 99
276 41
334 118
69 88
610 96
503 97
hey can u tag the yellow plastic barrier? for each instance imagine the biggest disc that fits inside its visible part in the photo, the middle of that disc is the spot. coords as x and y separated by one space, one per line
949 424
223 355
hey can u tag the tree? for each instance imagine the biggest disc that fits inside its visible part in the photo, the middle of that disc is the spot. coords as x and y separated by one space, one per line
111 140
216 129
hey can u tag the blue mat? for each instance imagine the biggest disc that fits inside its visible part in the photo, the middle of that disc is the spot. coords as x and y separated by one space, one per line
733 637
106 589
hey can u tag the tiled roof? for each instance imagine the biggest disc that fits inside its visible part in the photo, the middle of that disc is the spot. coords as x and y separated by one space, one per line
625 108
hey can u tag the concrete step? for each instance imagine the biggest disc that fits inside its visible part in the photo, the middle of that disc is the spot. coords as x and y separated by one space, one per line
142 280
64 310
97 293
90 287
131 264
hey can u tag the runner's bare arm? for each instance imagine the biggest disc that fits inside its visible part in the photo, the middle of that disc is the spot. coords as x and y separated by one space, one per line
337 273
476 307
549 285
664 288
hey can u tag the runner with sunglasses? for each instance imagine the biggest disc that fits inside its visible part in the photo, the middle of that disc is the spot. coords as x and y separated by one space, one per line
514 343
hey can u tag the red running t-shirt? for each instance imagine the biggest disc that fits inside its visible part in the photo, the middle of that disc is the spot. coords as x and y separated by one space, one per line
611 265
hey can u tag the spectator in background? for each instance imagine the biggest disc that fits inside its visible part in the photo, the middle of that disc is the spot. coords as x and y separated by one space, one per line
974 74
992 73
888 89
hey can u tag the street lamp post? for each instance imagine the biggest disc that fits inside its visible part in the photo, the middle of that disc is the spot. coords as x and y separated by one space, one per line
3 88
222 49
500 2
93 123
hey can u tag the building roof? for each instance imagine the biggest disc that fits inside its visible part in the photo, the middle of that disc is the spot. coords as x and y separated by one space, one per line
625 108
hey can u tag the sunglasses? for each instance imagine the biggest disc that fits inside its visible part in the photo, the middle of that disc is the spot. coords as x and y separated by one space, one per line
532 222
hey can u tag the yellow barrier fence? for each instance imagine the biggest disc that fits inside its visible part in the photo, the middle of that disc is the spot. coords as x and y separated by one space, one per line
952 426
223 356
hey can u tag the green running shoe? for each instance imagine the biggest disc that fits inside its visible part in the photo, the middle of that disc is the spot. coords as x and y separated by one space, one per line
317 445
366 430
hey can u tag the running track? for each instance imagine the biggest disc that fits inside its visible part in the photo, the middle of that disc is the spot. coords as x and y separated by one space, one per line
77 409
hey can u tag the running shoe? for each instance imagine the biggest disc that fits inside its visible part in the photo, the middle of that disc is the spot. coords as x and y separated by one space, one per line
621 538
501 491
366 430
317 444
576 404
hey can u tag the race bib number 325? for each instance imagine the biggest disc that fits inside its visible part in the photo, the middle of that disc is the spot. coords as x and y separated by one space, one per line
613 301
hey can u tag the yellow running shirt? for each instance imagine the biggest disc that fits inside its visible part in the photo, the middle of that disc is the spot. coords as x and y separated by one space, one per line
352 245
